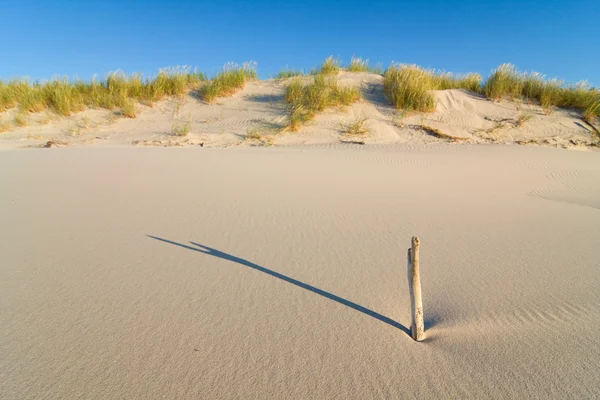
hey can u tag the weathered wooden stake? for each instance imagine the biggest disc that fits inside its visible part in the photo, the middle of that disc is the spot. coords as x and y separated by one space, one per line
417 328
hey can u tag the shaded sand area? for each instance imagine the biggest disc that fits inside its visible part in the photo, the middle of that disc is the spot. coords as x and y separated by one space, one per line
257 115
281 273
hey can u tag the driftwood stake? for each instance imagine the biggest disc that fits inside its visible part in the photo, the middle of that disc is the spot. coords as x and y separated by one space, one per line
417 328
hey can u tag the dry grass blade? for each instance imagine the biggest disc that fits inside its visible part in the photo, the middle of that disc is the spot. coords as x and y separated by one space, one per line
439 134
356 128
523 118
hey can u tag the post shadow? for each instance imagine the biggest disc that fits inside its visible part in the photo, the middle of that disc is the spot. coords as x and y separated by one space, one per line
225 256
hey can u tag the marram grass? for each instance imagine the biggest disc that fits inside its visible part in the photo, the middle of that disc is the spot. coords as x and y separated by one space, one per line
305 100
507 82
65 97
228 81
408 87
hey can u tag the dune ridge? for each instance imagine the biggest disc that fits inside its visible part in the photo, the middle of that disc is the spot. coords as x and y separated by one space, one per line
257 115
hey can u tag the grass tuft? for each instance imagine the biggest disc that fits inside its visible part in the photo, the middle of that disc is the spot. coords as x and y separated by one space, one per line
128 108
181 130
330 66
66 97
253 134
591 112
357 64
356 128
20 119
408 87
231 78
523 118
288 73
507 81
307 99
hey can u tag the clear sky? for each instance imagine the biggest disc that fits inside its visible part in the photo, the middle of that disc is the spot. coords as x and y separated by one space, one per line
82 38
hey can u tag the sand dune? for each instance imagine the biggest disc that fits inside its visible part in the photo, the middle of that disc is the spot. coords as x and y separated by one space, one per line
281 272
260 108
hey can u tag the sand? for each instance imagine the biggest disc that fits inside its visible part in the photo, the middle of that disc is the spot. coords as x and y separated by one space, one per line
280 273
259 109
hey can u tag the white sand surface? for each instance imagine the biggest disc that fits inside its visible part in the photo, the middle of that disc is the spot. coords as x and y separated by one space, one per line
260 109
146 273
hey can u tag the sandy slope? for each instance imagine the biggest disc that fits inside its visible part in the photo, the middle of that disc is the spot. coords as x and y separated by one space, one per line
281 273
259 108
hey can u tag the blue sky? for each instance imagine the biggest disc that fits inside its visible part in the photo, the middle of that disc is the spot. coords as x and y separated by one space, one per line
82 38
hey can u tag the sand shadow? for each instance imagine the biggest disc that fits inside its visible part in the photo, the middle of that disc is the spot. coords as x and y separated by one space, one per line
225 256
582 126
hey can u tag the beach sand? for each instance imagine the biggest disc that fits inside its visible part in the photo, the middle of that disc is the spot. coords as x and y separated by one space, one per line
280 273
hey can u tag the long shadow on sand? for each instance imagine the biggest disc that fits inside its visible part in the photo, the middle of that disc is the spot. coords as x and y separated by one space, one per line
216 253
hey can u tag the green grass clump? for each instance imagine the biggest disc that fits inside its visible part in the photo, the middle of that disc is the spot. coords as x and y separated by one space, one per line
446 80
128 108
580 96
330 66
307 99
288 73
506 81
66 97
408 87
357 64
550 95
591 112
231 78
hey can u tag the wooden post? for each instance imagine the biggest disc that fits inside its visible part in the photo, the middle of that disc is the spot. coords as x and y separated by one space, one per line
417 328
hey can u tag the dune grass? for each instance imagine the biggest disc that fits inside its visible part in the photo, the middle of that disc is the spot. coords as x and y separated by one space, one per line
592 111
408 87
305 100
228 81
358 64
522 119
506 81
330 66
356 128
288 73
118 90
181 129
20 120
128 109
